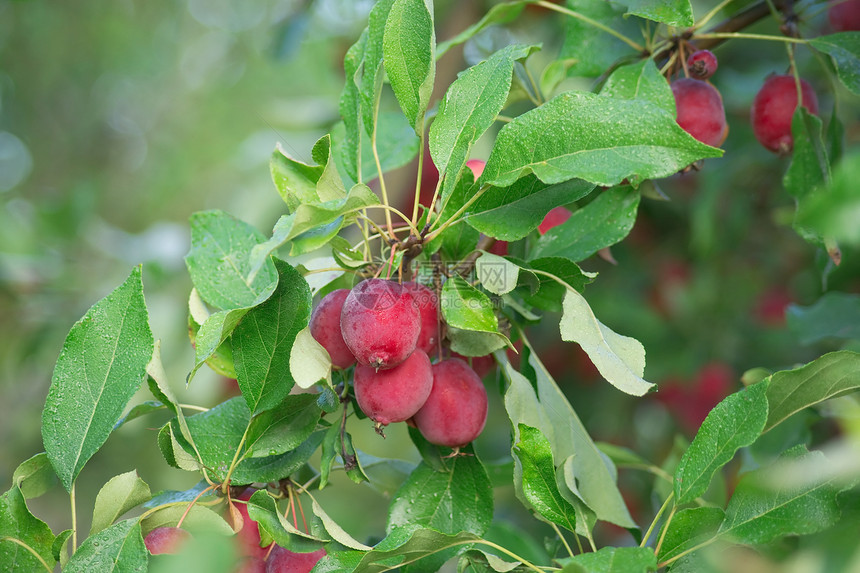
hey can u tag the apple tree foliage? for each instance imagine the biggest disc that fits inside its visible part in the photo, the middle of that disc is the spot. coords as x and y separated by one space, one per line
597 151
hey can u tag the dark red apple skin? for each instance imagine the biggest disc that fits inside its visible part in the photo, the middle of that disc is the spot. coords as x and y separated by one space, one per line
482 365
394 395
252 565
700 111
165 540
702 64
773 108
428 308
845 16
380 323
285 561
499 248
554 218
325 328
456 410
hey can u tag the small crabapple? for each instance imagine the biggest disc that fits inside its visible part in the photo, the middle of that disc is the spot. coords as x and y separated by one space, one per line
165 540
700 110
380 323
394 395
773 108
428 308
702 64
325 328
844 16
456 410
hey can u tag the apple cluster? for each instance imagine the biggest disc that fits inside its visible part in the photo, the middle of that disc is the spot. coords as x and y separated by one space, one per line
255 559
389 330
700 111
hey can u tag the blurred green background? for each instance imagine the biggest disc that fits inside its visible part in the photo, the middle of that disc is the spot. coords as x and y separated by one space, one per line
120 118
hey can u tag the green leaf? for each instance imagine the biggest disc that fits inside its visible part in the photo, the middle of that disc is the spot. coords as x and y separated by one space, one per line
408 48
59 547
511 213
735 422
396 145
548 410
275 468
498 14
339 562
174 453
118 548
328 452
120 494
336 531
198 518
407 545
766 504
16 522
218 433
369 78
330 185
600 139
473 343
157 382
829 376
622 456
212 336
690 527
263 340
844 49
809 167
833 210
455 498
482 560
835 137
263 509
641 80
532 452
497 274
835 315
34 476
309 360
468 109
295 181
602 223
172 495
284 427
594 50
619 359
218 261
613 560
554 74
550 293
348 142
101 366
311 226
139 410
204 551
467 308
677 13
352 463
